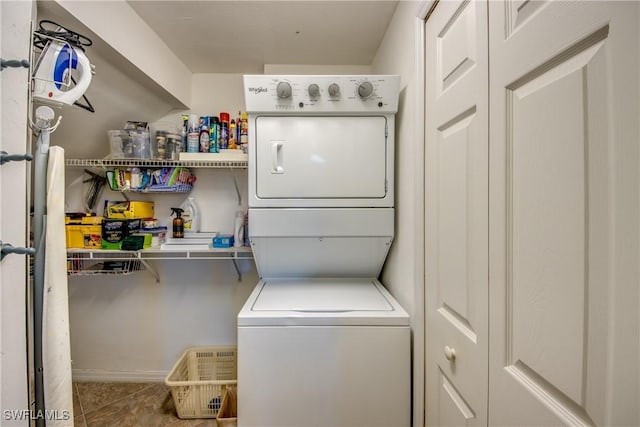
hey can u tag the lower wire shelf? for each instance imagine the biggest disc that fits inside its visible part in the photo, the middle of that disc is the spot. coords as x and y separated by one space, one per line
88 262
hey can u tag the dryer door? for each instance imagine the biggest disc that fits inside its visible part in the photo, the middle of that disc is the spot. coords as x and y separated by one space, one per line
327 157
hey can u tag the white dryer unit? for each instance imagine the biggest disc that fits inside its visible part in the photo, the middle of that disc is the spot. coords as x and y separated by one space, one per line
320 340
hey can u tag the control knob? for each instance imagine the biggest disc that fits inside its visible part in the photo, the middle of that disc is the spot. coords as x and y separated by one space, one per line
314 90
334 90
365 90
284 90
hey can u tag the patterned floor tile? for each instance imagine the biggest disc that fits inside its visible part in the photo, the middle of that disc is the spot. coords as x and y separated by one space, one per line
94 396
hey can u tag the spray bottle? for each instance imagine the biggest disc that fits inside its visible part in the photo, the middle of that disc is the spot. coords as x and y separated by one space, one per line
178 223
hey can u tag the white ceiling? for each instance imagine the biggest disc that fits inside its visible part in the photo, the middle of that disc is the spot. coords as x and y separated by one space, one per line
241 36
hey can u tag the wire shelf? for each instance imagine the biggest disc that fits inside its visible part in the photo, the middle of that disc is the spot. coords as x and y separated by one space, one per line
83 264
87 262
233 164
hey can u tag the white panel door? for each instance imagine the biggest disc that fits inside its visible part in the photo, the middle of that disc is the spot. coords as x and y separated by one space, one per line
564 213
321 157
456 214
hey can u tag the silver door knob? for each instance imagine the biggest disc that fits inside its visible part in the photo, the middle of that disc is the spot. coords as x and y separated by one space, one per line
450 353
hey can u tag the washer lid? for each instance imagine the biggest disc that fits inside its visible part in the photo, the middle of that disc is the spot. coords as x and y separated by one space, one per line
321 302
321 295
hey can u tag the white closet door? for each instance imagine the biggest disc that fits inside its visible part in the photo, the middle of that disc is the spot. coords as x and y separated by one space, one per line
15 34
564 213
456 193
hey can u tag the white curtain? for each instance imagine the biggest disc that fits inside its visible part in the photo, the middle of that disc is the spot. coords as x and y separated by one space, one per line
56 346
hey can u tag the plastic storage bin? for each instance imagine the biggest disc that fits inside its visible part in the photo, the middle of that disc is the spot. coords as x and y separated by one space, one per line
129 144
84 236
85 232
199 379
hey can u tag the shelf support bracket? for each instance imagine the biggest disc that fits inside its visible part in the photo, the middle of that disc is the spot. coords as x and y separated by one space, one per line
235 264
149 268
235 183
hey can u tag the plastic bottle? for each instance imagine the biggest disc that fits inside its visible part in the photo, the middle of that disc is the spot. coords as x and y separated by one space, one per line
204 139
223 138
193 134
191 215
238 229
247 242
178 223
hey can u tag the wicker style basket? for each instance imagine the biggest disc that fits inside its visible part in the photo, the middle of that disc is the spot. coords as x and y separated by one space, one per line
200 377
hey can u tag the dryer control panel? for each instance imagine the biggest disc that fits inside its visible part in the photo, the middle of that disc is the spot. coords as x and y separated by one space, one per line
318 94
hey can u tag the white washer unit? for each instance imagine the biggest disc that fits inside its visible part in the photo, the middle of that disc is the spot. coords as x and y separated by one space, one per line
320 340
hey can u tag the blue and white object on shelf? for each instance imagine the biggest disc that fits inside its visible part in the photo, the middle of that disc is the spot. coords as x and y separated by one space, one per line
52 77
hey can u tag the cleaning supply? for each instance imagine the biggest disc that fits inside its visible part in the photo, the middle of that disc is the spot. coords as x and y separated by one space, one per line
191 215
193 134
178 223
244 131
213 134
223 136
232 135
204 139
238 229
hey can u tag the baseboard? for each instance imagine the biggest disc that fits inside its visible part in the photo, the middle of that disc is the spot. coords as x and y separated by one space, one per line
97 375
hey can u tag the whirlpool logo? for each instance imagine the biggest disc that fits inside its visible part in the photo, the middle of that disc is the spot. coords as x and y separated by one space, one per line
258 90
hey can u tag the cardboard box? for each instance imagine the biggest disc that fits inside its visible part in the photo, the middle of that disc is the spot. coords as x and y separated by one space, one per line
223 241
114 232
147 238
128 209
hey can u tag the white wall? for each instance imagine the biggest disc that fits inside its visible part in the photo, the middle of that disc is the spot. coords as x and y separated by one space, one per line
403 273
396 56
131 328
118 25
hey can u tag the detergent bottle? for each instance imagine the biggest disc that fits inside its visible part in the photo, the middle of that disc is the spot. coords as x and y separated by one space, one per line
191 215
178 223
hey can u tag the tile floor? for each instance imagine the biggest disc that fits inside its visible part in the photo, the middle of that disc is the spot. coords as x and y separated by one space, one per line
127 405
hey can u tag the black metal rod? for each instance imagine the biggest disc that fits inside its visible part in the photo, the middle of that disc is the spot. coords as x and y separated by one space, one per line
6 157
7 248
13 63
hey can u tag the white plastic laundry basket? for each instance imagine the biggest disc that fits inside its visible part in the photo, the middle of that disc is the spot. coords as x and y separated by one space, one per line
199 378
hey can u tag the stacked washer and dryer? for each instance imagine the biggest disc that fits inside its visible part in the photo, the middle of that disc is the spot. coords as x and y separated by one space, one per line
320 341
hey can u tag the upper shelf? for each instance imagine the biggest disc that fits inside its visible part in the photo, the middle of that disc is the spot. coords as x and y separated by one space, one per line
233 164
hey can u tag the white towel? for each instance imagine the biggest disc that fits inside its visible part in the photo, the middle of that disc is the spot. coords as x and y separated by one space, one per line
56 345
